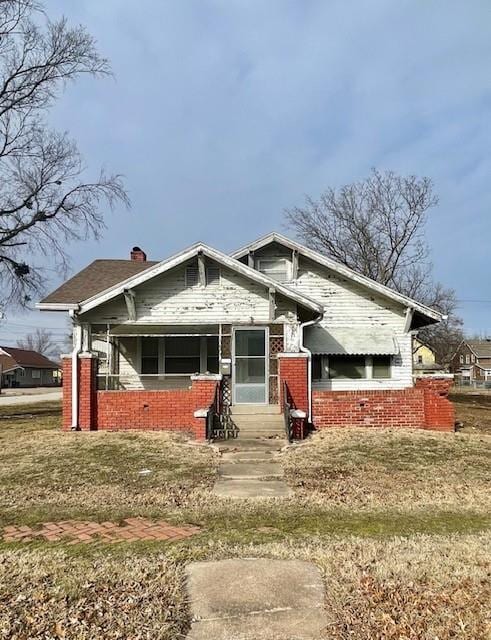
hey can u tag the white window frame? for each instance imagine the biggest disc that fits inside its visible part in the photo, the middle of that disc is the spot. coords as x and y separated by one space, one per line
368 369
270 271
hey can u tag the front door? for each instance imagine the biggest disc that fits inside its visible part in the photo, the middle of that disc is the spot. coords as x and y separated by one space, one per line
250 371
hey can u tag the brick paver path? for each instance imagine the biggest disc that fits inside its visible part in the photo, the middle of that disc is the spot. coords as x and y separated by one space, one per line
77 531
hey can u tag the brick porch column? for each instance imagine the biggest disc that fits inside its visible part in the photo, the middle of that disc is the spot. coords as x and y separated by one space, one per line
202 394
439 410
293 369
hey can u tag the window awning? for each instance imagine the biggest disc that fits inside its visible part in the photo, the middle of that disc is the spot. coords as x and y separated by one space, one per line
350 341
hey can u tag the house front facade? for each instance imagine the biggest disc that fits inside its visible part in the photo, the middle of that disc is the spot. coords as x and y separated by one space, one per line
471 362
21 368
274 325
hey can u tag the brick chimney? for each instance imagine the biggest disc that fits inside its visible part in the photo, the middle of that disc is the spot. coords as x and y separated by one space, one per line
138 255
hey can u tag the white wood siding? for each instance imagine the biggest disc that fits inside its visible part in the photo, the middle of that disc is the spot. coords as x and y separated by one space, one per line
166 300
348 304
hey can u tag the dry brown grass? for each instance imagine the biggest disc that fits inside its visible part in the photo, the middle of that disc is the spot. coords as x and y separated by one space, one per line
46 474
418 588
473 409
50 595
393 469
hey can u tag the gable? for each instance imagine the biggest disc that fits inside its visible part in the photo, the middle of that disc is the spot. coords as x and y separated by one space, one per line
174 297
421 315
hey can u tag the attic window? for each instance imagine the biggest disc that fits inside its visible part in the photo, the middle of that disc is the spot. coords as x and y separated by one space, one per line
275 268
192 276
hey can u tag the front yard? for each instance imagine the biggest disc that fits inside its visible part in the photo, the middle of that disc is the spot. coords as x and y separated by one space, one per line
399 523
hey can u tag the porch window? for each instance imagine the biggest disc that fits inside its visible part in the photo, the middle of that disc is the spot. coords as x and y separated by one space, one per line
150 355
182 355
212 354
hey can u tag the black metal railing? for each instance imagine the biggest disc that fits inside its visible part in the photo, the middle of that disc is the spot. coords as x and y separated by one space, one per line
219 422
287 415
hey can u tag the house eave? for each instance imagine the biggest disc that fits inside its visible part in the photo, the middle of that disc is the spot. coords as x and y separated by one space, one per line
179 258
57 306
315 256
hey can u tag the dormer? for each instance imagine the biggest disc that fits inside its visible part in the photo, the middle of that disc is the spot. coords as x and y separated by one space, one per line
273 260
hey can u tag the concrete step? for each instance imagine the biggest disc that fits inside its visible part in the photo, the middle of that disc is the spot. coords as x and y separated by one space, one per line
246 455
251 444
251 489
250 471
253 434
255 409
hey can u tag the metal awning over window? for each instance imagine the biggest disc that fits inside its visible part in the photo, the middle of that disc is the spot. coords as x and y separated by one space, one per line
350 341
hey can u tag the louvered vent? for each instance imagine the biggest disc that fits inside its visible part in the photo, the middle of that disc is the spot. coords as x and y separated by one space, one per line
212 275
192 276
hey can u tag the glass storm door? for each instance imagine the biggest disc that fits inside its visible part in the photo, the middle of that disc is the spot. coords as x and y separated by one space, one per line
250 370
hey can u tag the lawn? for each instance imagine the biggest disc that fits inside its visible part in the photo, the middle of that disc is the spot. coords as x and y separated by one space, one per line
398 522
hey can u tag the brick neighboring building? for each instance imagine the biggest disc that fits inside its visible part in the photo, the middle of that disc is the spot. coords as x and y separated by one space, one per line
157 343
472 361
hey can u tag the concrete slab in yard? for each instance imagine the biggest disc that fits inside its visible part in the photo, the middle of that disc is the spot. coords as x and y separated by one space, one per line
249 456
251 489
256 599
247 470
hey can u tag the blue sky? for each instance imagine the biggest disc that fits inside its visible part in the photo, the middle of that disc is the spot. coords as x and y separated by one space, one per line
224 112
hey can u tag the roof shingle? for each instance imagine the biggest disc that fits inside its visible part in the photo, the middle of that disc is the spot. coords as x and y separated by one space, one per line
97 277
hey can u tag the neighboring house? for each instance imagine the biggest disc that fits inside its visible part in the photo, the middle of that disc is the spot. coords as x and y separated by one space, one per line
155 341
25 368
472 361
424 358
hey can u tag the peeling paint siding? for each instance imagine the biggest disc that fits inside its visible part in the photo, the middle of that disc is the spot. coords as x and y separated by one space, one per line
166 300
351 305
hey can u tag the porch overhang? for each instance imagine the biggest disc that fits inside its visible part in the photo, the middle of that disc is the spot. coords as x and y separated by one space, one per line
350 341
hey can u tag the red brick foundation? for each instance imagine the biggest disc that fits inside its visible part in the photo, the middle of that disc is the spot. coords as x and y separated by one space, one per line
424 406
121 410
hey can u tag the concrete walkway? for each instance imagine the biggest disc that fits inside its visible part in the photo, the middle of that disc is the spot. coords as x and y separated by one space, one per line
249 469
6 399
255 599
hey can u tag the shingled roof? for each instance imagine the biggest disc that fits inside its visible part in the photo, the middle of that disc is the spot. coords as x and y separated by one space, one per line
97 277
481 348
12 357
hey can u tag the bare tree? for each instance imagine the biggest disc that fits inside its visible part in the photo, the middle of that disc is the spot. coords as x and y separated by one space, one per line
41 341
376 227
44 202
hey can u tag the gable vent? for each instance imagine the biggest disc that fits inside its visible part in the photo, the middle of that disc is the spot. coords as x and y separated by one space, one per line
192 276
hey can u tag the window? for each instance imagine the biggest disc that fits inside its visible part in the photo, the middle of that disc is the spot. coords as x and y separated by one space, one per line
22 373
192 275
461 359
351 367
150 355
473 357
467 359
381 367
347 367
212 354
275 268
316 367
35 374
182 355
420 359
